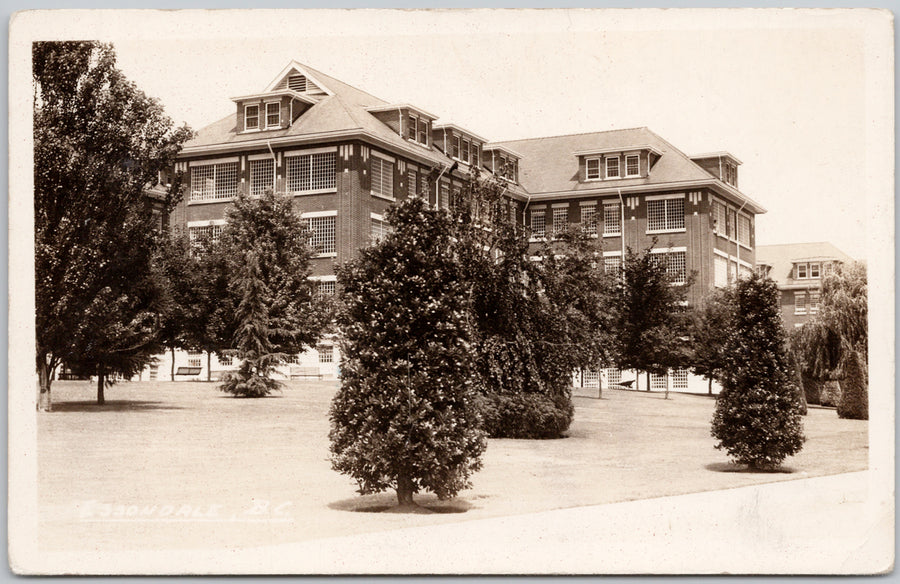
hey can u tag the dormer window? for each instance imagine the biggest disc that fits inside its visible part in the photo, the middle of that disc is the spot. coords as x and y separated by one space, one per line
475 156
417 130
466 145
251 117
455 147
592 169
632 165
297 83
273 115
814 270
612 167
801 272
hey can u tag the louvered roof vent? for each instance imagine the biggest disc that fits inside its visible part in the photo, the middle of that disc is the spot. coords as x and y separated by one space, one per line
297 83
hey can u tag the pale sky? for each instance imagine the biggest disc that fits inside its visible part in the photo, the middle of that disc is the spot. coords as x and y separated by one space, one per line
786 92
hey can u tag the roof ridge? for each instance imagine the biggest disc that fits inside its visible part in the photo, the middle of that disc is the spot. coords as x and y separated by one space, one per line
576 134
347 109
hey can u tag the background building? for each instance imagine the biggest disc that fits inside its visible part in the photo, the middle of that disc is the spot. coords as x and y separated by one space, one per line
798 269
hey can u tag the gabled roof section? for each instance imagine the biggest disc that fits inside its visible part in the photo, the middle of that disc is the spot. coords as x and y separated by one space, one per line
295 68
390 107
720 154
279 92
459 129
549 166
782 258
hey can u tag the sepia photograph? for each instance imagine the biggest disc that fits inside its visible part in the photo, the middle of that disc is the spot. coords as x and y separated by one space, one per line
451 292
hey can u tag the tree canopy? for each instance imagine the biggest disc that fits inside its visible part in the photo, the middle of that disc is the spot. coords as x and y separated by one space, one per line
99 143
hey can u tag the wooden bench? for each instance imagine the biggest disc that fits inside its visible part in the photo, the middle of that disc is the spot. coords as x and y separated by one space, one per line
297 371
188 371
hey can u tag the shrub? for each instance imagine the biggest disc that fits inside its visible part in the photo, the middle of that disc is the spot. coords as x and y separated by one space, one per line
813 389
757 418
831 393
246 383
854 402
525 415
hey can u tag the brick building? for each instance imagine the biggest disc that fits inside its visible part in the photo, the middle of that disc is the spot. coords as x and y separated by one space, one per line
798 269
345 156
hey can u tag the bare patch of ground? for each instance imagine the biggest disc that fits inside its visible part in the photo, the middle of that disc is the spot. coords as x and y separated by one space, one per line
179 465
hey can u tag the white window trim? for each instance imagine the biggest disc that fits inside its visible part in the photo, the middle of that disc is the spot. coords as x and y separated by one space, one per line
308 152
612 253
312 214
391 160
663 198
257 128
797 275
606 168
668 249
208 223
587 203
798 308
331 278
210 161
627 156
267 104
560 205
376 216
599 176
258 157
263 156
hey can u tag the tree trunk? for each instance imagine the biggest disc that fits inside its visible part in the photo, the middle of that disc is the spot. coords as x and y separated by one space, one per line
101 380
404 490
208 365
172 377
667 385
710 386
648 381
44 404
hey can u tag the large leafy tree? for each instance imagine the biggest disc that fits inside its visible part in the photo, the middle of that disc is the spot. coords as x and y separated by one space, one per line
404 417
709 326
834 344
536 314
758 413
651 320
99 142
270 309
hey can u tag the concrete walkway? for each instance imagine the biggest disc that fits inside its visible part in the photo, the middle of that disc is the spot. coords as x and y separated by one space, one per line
841 524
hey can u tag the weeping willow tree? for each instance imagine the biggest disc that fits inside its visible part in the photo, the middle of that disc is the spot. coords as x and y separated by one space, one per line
834 344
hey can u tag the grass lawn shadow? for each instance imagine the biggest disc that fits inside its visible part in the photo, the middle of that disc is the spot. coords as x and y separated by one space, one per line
743 468
387 503
112 406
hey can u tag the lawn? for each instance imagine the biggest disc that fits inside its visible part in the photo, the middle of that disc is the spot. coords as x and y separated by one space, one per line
180 465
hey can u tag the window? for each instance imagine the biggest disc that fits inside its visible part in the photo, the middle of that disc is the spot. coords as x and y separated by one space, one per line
325 287
612 167
632 165
195 362
417 130
455 147
379 229
466 146
382 177
214 181
718 217
814 270
612 218
251 117
476 149
512 212
310 172
226 360
675 266
293 359
732 271
444 202
538 224
799 302
614 376
612 264
732 216
589 219
322 239
680 379
657 381
154 372
411 176
744 230
326 354
720 265
801 271
560 219
297 83
208 232
590 378
262 176
273 115
665 215
592 169
814 301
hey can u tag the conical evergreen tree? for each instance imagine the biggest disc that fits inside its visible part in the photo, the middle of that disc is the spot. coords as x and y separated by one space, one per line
404 417
757 418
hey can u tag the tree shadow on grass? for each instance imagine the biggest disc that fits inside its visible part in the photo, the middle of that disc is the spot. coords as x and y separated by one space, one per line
387 503
112 406
743 468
